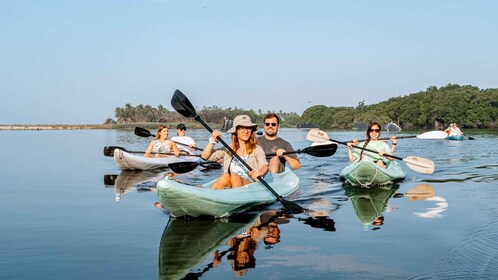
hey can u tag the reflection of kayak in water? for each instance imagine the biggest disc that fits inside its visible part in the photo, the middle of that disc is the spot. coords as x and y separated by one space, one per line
128 180
369 203
185 244
366 173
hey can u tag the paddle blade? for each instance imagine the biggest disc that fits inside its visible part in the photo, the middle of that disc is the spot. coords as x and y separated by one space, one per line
183 167
419 164
109 150
109 179
142 132
321 150
182 105
316 135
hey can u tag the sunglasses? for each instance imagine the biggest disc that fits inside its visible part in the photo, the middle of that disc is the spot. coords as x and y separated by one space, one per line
374 130
272 124
182 129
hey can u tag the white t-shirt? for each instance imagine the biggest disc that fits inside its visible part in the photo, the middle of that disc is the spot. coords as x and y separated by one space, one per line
184 140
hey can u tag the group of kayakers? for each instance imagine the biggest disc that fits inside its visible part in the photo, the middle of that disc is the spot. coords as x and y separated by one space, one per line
180 144
253 150
244 142
453 130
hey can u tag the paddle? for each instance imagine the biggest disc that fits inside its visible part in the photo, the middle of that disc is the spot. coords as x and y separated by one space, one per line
317 151
142 132
187 166
418 164
109 152
183 106
388 138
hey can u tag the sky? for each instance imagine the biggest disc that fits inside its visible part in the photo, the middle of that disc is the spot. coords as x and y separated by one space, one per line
74 62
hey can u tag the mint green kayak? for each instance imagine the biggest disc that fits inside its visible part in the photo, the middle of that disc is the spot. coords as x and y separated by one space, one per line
366 173
186 200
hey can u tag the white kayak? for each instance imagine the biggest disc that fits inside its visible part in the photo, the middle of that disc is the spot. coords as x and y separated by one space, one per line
128 161
436 134
186 200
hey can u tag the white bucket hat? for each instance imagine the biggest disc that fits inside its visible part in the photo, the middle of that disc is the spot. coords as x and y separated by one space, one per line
242 120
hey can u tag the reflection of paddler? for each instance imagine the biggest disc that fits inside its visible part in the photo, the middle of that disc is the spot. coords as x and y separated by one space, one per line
370 203
420 192
185 244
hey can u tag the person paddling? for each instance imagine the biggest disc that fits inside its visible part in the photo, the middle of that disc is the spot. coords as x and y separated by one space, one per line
245 145
161 145
373 143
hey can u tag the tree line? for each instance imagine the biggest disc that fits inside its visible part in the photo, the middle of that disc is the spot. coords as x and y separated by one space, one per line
467 105
211 114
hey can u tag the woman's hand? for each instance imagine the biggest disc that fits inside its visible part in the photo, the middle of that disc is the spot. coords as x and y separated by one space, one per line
393 140
254 174
215 135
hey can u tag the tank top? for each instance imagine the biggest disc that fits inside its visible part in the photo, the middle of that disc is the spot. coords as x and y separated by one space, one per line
161 147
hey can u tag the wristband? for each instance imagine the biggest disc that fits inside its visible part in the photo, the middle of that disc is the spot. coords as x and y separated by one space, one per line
394 144
211 140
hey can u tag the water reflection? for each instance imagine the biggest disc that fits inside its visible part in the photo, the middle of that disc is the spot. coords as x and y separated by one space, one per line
129 180
191 248
426 192
370 203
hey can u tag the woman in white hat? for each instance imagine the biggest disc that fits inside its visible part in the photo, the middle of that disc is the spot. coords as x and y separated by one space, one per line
244 143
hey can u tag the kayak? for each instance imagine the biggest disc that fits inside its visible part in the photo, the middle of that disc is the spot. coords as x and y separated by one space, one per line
366 173
455 137
186 200
186 244
436 134
129 161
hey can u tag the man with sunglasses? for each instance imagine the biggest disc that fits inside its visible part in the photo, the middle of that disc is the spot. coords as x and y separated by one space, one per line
185 143
271 143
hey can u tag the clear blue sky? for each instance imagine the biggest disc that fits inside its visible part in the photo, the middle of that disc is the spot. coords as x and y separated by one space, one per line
69 62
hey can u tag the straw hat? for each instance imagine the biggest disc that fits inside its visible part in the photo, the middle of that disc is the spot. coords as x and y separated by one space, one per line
242 120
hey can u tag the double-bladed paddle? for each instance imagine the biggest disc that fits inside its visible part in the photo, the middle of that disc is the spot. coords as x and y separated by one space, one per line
183 106
109 152
418 164
316 151
142 132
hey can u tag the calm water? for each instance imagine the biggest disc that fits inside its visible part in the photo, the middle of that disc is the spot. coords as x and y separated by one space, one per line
59 220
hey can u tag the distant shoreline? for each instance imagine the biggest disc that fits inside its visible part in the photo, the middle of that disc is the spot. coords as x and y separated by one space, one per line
53 126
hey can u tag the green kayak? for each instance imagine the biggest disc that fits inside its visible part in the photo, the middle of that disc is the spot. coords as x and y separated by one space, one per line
366 173
186 200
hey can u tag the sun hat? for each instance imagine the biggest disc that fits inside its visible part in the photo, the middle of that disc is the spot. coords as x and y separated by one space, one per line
242 120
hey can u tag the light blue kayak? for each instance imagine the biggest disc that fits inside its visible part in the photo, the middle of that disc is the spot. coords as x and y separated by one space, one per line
186 200
366 173
455 137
